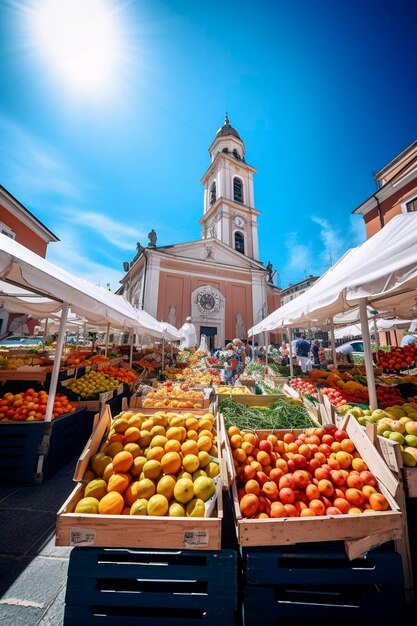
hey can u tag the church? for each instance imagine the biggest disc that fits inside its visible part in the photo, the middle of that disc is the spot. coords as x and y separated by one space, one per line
218 280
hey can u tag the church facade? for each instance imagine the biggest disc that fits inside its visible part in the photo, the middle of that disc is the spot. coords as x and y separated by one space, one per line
218 280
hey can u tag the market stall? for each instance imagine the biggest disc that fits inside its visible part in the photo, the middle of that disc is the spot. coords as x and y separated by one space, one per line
31 283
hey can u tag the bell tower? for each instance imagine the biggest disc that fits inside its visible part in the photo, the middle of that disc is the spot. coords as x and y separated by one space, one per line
229 213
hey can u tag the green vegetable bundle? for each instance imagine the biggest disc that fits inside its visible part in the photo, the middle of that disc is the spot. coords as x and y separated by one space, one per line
285 414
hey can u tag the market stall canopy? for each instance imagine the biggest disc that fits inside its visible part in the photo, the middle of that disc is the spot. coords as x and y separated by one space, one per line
382 325
382 270
30 272
160 329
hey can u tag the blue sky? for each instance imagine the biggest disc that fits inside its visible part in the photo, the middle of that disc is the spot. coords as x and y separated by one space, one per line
322 93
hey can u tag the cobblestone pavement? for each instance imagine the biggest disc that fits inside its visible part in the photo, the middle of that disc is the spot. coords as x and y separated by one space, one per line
33 571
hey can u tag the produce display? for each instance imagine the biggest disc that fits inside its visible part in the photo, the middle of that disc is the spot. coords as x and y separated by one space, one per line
397 423
163 464
194 377
344 388
229 390
175 396
122 374
283 414
92 384
30 406
316 473
399 358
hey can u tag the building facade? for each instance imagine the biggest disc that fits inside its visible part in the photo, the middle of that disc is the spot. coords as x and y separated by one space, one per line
293 291
218 280
396 193
17 222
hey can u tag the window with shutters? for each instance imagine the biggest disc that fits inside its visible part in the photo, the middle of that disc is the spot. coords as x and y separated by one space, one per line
239 242
213 192
237 190
411 205
5 230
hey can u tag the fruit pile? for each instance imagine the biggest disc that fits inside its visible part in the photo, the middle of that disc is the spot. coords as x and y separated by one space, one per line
92 384
160 464
173 396
341 389
318 472
397 423
398 358
233 391
122 374
30 406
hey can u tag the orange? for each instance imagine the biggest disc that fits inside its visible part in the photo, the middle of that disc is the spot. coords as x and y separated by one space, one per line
108 471
133 448
378 502
206 443
113 449
138 463
155 453
120 425
117 437
249 505
171 462
118 482
189 447
122 461
172 445
111 504
96 489
132 434
347 445
132 493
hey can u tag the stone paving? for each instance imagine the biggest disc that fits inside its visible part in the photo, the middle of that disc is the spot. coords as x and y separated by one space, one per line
33 571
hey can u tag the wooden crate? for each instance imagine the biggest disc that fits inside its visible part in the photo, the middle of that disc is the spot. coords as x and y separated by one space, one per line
361 532
154 588
135 403
125 531
20 446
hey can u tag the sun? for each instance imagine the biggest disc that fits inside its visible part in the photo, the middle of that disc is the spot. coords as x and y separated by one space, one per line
80 40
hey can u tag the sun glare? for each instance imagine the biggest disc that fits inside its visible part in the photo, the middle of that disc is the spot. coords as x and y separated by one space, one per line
80 39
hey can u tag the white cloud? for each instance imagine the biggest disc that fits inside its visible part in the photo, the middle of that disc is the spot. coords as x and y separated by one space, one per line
69 255
118 234
331 239
34 170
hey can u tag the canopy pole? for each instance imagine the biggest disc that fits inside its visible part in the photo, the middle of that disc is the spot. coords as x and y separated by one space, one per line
45 330
131 337
369 364
332 339
376 333
266 352
290 348
51 392
107 338
163 353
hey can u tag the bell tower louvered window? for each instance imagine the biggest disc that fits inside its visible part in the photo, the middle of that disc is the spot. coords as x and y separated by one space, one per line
239 243
237 190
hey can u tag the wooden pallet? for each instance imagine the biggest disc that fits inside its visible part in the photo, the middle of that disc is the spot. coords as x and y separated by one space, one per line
158 588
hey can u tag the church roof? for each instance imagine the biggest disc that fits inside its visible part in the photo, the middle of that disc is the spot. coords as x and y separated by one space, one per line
227 129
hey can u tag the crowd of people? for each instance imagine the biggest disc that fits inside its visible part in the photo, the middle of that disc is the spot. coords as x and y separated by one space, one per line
237 354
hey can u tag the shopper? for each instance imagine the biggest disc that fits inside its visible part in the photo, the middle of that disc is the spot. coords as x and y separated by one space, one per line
315 353
285 353
302 350
240 355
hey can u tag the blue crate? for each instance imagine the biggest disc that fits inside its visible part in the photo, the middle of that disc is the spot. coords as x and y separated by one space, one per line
151 587
322 605
20 441
318 582
316 563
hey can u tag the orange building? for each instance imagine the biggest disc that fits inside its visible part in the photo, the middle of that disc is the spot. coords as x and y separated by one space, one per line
219 279
17 222
396 194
